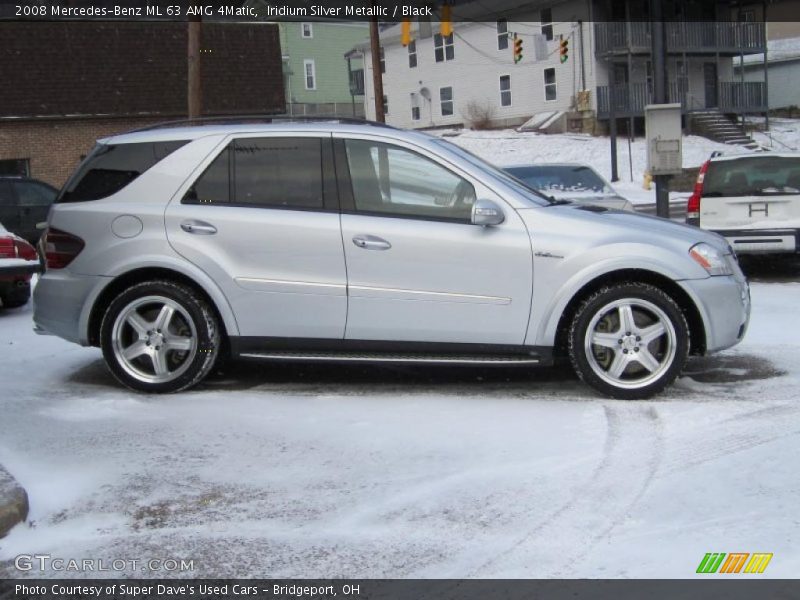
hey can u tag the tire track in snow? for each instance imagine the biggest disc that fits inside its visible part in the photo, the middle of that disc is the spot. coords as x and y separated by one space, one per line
633 447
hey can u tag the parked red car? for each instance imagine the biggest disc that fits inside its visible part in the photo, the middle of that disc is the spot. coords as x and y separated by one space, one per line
18 262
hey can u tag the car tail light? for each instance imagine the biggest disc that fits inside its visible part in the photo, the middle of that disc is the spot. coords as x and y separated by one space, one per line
25 250
693 205
7 248
60 248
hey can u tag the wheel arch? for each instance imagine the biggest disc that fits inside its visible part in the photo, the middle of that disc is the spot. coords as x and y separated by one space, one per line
210 293
697 330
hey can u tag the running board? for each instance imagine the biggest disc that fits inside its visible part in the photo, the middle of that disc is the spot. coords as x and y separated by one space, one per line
378 357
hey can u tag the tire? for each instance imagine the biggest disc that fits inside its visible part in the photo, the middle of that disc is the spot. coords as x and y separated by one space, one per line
15 302
629 341
159 336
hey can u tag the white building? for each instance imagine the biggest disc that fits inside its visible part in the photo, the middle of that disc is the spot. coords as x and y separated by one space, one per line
437 81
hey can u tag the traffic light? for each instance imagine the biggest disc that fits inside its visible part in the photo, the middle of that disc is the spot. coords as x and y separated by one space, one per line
405 32
564 49
446 24
517 47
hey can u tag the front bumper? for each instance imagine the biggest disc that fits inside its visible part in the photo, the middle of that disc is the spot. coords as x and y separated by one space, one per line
724 306
62 303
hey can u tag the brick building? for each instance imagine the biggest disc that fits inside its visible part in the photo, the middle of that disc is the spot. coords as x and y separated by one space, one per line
65 84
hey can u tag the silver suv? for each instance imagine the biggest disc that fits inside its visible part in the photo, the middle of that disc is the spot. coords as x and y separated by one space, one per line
334 241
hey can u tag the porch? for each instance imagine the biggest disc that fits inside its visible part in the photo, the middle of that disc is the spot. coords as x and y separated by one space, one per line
629 99
683 37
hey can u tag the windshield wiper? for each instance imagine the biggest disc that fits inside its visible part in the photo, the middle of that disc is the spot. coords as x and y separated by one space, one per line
557 201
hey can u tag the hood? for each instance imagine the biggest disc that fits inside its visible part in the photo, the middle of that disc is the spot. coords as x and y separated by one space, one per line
607 199
596 223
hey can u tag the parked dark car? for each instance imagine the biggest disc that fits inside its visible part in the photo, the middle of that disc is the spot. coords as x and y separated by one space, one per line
18 262
24 202
570 181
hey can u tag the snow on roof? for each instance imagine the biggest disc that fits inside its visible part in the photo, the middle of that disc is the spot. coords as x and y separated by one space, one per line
777 51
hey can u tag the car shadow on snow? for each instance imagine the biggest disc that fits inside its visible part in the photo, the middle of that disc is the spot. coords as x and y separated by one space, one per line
771 268
725 370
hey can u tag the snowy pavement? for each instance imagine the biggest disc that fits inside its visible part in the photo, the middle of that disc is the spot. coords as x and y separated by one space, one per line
277 471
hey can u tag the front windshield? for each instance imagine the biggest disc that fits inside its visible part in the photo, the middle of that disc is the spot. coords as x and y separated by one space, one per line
551 179
509 180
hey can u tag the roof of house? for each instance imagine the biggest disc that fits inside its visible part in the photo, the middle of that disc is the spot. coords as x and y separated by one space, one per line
72 69
787 49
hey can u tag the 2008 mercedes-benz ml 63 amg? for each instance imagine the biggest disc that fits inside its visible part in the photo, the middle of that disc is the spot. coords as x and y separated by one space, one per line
338 241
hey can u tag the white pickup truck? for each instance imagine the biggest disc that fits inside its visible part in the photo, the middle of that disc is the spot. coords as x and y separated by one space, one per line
753 200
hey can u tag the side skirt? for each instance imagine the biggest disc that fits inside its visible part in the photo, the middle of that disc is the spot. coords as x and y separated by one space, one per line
377 351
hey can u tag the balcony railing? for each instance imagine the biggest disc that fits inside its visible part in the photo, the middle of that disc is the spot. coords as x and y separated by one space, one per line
747 96
629 100
690 37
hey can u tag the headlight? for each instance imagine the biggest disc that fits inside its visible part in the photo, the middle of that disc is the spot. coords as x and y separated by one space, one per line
711 259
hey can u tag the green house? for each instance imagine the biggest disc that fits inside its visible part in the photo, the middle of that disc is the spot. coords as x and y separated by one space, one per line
317 76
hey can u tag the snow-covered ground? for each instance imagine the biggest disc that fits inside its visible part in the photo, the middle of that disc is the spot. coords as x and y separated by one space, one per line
407 472
509 147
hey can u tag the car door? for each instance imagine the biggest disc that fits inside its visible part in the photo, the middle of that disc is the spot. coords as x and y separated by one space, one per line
9 213
417 269
34 200
263 222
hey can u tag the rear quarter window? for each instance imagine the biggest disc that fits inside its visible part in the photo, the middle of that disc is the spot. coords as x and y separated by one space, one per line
111 167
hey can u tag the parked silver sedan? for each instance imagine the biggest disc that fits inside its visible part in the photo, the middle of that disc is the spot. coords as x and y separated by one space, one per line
336 241
570 181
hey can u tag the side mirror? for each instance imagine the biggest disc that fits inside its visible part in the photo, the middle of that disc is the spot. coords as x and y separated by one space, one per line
486 212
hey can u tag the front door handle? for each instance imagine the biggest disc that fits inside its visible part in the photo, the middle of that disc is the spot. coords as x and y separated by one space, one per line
198 227
371 242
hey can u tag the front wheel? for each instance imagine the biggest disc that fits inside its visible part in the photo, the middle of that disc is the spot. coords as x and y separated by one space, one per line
159 336
629 341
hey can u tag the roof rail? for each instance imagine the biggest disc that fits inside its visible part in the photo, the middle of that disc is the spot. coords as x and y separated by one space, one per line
243 119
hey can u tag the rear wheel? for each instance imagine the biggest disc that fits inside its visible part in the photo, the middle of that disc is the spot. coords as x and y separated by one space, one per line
159 336
629 341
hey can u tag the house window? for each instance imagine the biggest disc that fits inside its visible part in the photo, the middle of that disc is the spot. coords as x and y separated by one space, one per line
385 105
383 61
747 15
311 74
505 90
307 30
15 166
446 101
412 54
443 47
502 34
546 16
549 84
415 112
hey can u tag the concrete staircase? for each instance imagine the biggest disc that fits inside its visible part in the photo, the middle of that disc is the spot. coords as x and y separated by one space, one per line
714 125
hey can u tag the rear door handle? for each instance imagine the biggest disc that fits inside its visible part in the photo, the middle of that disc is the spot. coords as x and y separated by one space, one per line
198 227
371 242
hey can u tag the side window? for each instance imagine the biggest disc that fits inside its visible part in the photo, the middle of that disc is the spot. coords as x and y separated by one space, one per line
214 185
263 172
280 172
33 194
109 168
394 181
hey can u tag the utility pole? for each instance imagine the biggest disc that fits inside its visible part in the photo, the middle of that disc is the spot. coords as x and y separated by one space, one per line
658 50
377 77
195 88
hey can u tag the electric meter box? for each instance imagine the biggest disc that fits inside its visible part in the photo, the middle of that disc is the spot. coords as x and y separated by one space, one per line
663 130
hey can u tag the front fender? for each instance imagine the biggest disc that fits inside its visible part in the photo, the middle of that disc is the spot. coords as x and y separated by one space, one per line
572 273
